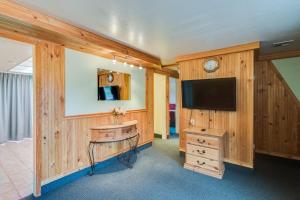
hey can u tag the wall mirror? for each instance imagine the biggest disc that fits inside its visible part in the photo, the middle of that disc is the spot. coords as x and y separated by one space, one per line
113 85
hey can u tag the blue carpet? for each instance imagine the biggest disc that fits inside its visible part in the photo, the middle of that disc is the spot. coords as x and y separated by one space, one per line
158 174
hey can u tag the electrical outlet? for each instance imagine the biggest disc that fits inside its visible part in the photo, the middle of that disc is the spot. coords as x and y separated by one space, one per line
192 122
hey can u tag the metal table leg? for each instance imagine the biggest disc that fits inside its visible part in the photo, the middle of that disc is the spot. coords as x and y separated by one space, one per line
125 159
91 157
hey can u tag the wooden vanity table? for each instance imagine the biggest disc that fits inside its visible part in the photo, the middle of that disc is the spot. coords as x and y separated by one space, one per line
127 131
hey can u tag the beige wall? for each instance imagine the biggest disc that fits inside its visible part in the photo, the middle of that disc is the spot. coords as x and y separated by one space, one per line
289 69
81 82
160 105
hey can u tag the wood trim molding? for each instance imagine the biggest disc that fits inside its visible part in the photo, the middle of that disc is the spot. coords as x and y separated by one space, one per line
223 51
238 163
168 72
24 21
279 55
281 155
100 114
14 36
170 65
37 137
167 107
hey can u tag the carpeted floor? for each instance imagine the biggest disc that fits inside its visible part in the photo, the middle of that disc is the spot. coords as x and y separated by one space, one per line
158 174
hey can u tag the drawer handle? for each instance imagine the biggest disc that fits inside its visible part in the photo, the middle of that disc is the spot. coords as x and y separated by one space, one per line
203 163
201 152
201 141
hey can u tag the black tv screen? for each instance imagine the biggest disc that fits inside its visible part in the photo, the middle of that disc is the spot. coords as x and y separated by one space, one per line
109 93
209 94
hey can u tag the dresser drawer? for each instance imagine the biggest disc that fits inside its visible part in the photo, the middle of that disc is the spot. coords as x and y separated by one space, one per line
203 151
202 162
203 140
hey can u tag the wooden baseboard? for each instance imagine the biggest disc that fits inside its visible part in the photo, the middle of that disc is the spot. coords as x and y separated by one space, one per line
181 153
281 155
248 165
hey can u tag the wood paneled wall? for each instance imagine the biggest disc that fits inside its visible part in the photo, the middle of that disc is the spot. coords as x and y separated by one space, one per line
64 140
277 114
239 124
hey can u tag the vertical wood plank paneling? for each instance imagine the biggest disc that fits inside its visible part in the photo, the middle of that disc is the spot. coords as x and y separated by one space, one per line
149 124
239 124
64 141
277 111
37 142
167 106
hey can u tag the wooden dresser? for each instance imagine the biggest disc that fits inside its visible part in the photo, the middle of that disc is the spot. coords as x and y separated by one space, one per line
205 151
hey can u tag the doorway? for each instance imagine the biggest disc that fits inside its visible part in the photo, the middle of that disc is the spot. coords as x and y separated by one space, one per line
16 122
166 110
161 101
173 108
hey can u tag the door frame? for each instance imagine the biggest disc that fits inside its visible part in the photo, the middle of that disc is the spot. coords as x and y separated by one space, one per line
166 105
37 144
168 98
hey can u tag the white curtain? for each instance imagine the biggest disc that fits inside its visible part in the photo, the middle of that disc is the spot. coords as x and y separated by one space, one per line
15 106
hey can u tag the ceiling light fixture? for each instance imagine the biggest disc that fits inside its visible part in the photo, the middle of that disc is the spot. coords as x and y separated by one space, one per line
125 63
140 67
114 60
131 65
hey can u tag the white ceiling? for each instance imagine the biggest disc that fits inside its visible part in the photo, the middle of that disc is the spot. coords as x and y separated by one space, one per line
13 53
25 67
167 28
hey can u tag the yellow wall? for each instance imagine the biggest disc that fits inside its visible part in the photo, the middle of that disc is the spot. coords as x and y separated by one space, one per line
160 105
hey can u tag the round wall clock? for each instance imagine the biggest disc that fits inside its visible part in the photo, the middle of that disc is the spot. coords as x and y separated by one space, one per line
211 65
110 77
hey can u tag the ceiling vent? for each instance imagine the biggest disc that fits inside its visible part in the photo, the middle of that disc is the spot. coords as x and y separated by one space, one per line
282 43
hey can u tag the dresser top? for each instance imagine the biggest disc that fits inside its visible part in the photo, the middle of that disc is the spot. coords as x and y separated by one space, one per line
115 126
204 131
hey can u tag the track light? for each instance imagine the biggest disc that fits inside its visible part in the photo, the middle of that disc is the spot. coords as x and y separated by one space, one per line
114 60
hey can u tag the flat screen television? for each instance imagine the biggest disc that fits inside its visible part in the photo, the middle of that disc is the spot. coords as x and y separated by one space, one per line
209 94
109 93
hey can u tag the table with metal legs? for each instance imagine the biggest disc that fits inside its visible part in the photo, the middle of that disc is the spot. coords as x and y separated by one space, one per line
124 157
